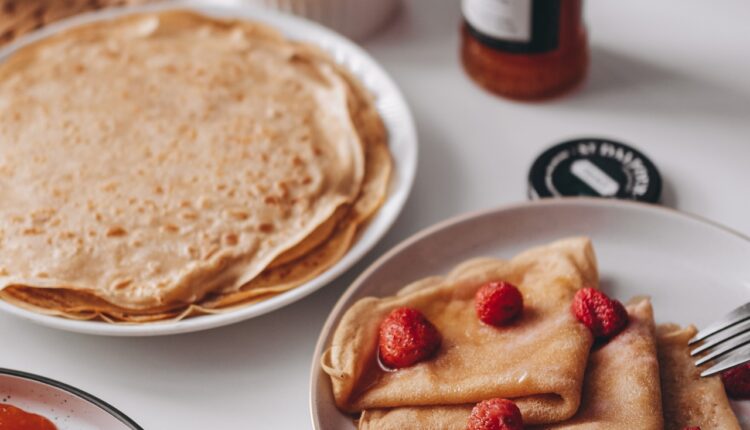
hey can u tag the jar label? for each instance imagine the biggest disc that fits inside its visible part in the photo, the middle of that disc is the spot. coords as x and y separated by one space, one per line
502 19
519 26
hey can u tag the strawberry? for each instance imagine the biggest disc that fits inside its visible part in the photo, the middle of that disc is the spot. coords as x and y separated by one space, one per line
406 337
603 316
692 428
737 381
498 303
495 414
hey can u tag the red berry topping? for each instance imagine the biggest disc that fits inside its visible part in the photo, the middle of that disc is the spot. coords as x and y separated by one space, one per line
737 381
692 428
497 303
406 337
495 414
603 316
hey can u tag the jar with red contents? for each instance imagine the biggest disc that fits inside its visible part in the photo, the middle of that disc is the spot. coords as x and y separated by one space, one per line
524 49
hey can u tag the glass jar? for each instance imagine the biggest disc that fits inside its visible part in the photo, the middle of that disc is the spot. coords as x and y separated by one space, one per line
524 49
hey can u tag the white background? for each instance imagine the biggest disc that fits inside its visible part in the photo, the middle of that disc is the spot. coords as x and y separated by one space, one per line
670 77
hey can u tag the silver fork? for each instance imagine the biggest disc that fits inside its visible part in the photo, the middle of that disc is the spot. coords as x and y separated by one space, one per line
725 342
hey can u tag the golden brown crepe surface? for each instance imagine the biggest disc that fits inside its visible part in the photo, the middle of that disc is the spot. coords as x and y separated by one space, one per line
476 361
289 273
688 399
321 250
241 239
621 389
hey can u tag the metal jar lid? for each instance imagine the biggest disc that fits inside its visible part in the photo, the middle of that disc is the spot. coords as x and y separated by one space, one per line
594 167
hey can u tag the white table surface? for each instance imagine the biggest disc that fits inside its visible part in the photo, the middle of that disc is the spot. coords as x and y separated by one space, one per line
669 77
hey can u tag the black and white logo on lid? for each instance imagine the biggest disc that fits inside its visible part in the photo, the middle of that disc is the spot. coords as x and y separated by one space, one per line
594 167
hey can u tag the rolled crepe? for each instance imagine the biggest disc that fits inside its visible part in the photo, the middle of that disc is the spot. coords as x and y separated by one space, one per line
689 400
538 361
621 389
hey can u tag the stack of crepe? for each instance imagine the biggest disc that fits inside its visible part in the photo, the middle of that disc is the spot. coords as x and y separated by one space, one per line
168 164
546 362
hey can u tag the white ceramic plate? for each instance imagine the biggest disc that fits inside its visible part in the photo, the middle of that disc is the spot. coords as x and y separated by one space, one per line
67 407
390 104
694 270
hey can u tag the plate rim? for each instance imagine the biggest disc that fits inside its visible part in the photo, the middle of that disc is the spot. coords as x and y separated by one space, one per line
404 170
466 217
84 395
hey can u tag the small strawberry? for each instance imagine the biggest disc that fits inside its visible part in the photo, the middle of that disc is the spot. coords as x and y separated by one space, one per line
406 337
498 303
603 316
737 381
495 414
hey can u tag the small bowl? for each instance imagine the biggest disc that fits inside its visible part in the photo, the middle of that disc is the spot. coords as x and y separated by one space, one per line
67 407
356 19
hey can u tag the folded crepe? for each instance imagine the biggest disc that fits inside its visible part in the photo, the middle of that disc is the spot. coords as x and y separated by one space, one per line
538 361
688 399
621 389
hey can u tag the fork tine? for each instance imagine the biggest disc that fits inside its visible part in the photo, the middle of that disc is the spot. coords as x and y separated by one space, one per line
724 348
722 336
734 358
738 315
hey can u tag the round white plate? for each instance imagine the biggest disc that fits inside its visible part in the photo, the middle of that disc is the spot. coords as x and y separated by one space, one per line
390 103
694 270
67 407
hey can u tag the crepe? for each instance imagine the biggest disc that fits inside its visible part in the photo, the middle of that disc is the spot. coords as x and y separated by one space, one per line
237 169
621 389
378 165
475 361
689 400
